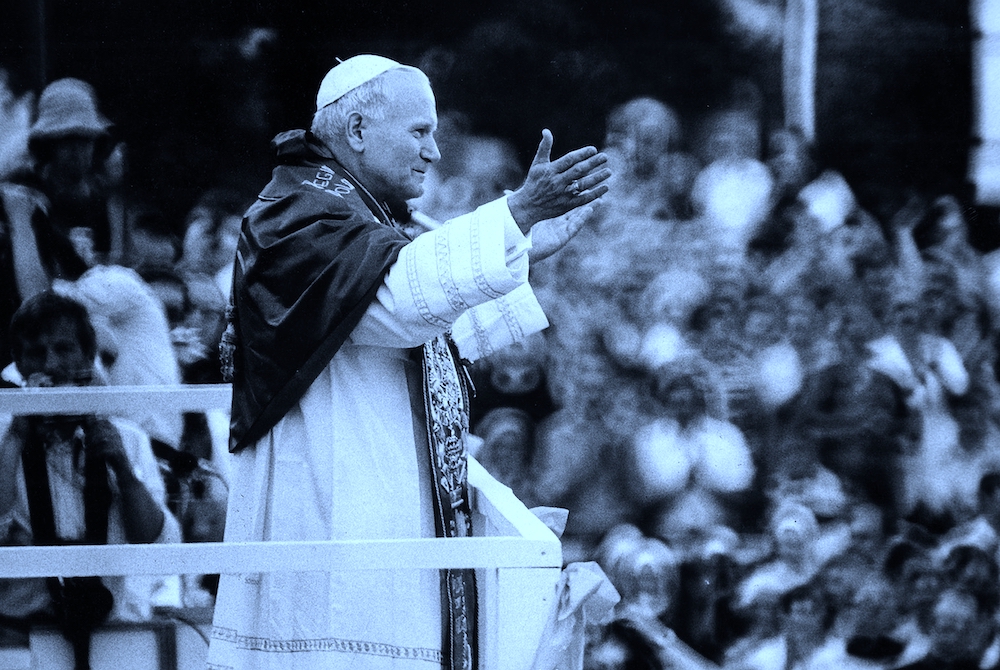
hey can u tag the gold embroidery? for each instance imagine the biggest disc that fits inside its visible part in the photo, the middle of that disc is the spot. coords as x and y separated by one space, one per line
446 402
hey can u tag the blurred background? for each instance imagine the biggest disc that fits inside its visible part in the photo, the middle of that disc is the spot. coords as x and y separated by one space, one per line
197 89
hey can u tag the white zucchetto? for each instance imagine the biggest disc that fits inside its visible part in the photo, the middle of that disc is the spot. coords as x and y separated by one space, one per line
351 73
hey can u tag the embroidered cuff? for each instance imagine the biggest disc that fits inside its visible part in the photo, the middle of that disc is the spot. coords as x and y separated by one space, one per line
464 263
473 259
516 243
498 323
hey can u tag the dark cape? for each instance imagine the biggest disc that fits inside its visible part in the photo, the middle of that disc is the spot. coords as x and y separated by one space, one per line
313 251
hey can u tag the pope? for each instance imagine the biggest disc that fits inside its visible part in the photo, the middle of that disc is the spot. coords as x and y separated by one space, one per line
347 344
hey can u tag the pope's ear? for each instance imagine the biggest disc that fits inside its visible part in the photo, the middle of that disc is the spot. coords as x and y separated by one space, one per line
355 131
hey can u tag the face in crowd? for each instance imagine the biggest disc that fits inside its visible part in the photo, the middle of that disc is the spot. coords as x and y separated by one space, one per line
53 342
56 357
70 168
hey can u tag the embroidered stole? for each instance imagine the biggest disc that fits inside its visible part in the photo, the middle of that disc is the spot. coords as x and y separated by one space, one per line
446 403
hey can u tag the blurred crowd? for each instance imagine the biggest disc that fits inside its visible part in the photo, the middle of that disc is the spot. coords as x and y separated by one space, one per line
773 415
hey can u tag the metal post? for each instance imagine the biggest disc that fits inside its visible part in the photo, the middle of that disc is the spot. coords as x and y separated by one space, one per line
32 39
799 65
984 167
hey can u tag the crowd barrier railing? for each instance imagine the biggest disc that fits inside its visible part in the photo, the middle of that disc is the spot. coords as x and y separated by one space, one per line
517 559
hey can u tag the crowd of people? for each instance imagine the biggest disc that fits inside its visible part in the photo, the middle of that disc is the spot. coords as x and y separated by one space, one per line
773 416
98 290
772 413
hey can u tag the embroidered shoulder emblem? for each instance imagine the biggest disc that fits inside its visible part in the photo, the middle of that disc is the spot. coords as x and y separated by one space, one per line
324 182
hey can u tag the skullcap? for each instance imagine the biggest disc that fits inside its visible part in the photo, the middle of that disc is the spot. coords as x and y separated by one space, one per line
351 73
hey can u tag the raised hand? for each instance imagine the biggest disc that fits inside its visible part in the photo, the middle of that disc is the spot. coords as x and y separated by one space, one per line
104 441
551 235
555 187
142 516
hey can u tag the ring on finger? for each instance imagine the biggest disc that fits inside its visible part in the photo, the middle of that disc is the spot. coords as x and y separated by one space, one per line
574 187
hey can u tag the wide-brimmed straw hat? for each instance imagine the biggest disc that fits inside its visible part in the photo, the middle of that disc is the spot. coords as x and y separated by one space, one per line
68 108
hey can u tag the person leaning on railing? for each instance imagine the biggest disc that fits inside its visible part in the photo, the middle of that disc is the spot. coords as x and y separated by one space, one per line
73 480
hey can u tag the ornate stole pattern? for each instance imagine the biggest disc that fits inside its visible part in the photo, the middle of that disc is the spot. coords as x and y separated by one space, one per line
446 401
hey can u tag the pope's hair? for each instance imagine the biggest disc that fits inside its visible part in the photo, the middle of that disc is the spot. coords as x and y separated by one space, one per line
371 99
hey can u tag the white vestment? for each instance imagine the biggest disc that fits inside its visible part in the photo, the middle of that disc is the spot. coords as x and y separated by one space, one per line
350 462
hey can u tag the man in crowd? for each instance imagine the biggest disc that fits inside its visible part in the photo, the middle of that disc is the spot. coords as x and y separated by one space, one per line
58 215
963 627
74 480
350 403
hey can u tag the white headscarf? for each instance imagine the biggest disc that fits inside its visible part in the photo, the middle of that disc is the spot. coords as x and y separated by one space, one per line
131 325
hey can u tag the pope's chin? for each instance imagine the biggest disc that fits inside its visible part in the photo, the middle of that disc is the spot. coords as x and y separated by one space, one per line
416 186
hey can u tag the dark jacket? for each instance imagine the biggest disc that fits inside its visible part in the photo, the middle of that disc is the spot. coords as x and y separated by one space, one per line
313 251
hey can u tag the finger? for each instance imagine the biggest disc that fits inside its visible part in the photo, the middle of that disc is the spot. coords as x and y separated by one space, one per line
593 194
584 167
544 148
577 218
564 163
592 180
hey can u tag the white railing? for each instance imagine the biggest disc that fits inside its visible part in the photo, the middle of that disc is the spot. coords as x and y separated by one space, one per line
517 558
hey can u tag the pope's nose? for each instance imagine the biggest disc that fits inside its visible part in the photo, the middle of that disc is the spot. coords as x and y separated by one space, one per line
429 152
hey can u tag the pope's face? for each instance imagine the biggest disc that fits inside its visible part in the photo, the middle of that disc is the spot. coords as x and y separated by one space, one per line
399 149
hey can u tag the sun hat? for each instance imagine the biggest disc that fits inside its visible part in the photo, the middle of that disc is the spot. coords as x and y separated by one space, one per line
68 108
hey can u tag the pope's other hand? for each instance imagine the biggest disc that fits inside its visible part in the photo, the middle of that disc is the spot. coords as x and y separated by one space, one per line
551 235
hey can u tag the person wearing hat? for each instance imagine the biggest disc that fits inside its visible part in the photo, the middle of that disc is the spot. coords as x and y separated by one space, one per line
56 214
345 346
